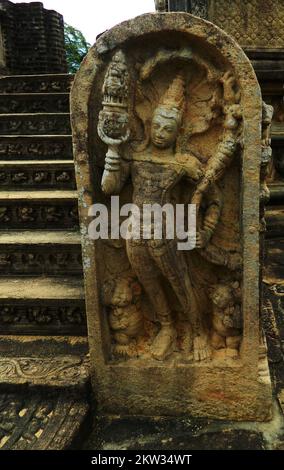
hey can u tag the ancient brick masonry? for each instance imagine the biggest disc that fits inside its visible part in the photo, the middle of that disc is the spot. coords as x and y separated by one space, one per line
32 39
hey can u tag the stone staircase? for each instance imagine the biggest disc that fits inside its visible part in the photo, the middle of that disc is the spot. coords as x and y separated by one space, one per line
43 343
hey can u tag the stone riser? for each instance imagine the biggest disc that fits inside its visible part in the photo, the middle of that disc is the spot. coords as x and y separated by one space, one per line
36 148
40 305
34 103
35 124
38 214
59 83
43 318
274 217
37 175
51 260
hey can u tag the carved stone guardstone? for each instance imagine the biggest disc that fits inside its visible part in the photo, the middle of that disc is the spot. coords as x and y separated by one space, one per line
166 108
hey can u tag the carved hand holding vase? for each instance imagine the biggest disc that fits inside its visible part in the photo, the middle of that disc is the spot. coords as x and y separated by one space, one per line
166 111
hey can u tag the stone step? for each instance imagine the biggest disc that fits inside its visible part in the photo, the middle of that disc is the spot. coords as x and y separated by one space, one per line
40 306
277 130
47 83
39 174
42 419
40 252
276 192
43 345
38 209
36 147
274 261
35 124
34 103
274 216
60 371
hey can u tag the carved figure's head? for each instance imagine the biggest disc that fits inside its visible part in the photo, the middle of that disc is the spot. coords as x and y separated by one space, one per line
121 292
168 115
221 295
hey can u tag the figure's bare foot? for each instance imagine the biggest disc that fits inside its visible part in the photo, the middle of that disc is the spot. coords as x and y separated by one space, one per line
164 344
124 350
201 348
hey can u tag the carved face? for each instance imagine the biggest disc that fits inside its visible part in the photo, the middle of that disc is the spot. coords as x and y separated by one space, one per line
163 131
221 296
122 295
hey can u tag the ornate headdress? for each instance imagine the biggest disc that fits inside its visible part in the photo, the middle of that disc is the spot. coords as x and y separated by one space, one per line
172 103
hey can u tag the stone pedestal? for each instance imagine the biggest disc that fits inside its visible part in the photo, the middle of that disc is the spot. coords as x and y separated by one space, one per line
166 108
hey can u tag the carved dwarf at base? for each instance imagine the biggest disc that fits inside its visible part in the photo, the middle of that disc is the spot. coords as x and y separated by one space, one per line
122 297
226 318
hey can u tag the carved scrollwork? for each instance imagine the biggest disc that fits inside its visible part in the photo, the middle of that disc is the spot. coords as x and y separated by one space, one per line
36 85
24 215
41 177
34 105
38 149
34 319
41 369
42 125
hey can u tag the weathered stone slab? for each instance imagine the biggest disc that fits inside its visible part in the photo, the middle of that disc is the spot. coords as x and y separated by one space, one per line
175 103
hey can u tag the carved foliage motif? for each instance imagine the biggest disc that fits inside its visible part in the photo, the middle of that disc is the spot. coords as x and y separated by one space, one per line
39 369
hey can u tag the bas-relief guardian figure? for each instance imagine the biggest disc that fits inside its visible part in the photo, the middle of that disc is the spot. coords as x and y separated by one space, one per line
166 109
160 170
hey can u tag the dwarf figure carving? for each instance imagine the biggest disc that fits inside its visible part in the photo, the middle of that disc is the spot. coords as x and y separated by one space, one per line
122 297
226 318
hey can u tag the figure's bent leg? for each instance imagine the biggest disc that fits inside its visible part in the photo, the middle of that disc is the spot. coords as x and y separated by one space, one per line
150 278
173 266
